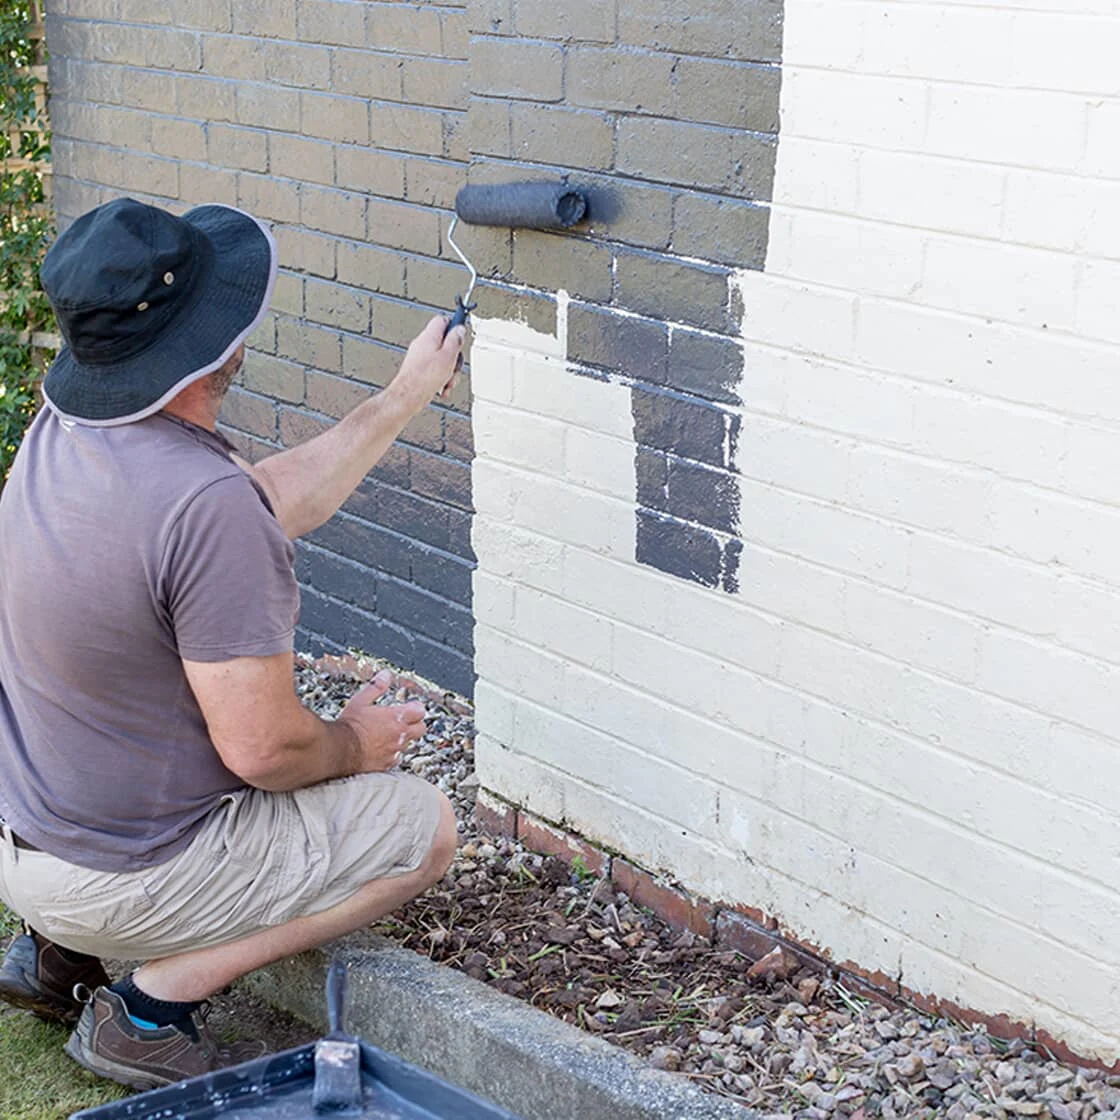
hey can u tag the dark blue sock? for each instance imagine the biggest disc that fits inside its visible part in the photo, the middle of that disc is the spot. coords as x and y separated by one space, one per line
148 1012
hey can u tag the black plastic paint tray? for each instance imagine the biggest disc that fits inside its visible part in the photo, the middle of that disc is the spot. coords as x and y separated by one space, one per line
280 1087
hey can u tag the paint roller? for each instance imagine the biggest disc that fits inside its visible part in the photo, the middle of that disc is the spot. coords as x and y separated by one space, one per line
534 205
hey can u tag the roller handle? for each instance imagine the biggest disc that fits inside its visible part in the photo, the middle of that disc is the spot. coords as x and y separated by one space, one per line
462 310
336 997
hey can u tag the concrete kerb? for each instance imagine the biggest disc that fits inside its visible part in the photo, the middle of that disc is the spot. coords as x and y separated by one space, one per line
492 1044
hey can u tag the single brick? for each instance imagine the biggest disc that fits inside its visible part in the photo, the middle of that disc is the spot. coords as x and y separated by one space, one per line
455 136
752 937
333 396
371 267
368 360
582 268
404 28
665 288
399 225
490 17
149 88
412 516
446 480
265 19
159 177
732 556
160 48
626 80
398 321
341 22
231 56
458 436
704 366
574 20
435 81
403 128
460 544
600 337
721 229
675 152
513 68
287 295
249 413
330 117
311 346
419 611
434 283
565 137
750 30
264 337
753 160
671 904
351 537
354 628
200 185
452 669
488 127
369 170
703 495
311 161
274 377
267 106
431 182
368 74
243 148
732 94
678 549
265 196
123 128
446 575
494 816
496 301
689 428
424 430
306 252
538 835
651 472
455 35
333 305
297 64
336 576
182 140
331 211
208 15
489 248
206 99
395 466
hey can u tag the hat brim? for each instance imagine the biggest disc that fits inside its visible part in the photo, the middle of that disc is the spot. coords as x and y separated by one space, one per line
226 309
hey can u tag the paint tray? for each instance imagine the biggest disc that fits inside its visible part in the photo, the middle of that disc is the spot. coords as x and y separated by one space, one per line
281 1087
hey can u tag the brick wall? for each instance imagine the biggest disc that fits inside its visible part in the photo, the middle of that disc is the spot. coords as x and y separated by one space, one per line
341 122
889 720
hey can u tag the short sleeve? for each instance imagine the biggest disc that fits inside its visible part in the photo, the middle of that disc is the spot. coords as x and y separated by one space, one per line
227 582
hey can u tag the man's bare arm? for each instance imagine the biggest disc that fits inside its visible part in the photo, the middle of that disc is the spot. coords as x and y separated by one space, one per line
270 740
307 484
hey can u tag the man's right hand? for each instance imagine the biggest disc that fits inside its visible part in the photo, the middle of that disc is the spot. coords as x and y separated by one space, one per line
383 730
431 365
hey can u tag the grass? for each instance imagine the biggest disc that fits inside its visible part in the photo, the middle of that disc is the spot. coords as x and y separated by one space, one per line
37 1080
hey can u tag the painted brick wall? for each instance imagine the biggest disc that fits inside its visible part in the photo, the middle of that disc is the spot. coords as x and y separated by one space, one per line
895 729
341 122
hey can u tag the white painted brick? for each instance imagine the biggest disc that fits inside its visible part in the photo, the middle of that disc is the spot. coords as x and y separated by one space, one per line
827 319
795 456
1015 127
521 438
506 551
1096 301
585 402
790 588
493 599
830 170
602 463
822 33
1089 618
494 712
1001 282
519 668
573 515
492 487
1071 53
1101 154
553 624
1092 464
620 590
1083 768
491 373
1060 197
927 193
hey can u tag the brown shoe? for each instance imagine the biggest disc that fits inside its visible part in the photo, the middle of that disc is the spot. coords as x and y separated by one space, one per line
107 1042
36 976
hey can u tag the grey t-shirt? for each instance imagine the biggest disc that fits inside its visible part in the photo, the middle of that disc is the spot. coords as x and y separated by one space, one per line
124 550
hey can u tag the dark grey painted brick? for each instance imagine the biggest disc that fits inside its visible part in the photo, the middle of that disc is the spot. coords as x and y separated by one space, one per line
440 572
750 30
708 497
424 613
679 549
651 469
448 667
403 512
689 428
336 576
705 366
440 477
732 554
368 544
599 337
355 628
665 288
721 229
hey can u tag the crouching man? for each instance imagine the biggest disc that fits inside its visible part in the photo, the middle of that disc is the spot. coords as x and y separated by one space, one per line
164 795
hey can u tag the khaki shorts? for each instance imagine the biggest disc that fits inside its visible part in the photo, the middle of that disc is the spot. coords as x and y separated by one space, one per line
259 860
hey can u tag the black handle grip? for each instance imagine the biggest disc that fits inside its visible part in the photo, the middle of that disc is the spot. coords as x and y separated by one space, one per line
462 310
336 996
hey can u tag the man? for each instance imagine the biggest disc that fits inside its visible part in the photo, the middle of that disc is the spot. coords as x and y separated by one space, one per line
165 797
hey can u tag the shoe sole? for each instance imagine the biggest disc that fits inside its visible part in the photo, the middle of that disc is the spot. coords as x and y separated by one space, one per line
27 1000
104 1067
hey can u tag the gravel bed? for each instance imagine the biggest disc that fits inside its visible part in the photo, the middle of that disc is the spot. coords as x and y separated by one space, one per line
780 1038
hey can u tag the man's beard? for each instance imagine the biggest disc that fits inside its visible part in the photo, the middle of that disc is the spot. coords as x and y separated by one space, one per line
222 378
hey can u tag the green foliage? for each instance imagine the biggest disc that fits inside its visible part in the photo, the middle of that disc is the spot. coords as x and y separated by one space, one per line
25 224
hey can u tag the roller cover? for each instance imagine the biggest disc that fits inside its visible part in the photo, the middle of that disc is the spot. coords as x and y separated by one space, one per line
521 205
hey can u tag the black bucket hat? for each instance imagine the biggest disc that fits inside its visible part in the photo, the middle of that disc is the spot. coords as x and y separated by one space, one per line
148 302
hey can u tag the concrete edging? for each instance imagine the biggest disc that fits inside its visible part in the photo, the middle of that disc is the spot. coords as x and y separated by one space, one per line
492 1044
